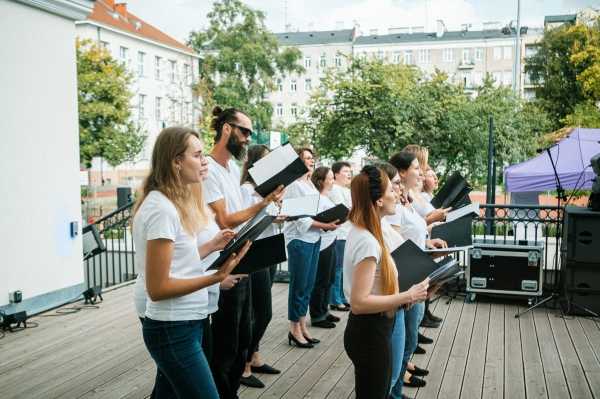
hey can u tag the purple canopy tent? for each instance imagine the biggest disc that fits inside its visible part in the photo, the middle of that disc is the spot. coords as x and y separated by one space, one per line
571 156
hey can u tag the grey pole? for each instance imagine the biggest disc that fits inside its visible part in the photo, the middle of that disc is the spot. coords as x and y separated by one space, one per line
517 63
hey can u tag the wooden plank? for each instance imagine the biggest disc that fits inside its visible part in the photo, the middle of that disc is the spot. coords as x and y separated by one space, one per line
514 380
472 385
493 377
571 364
556 385
585 352
455 369
331 377
535 383
345 385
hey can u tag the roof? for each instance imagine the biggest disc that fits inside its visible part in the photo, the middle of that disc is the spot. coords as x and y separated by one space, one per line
560 18
315 37
431 37
106 12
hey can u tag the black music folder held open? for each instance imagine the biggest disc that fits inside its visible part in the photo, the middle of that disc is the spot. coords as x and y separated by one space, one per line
414 266
280 167
457 233
263 253
249 232
339 212
454 193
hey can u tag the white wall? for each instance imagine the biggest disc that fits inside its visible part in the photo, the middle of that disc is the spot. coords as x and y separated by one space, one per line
39 155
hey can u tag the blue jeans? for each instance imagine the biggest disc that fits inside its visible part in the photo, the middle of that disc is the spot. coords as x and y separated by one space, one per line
336 295
182 369
412 319
398 342
302 265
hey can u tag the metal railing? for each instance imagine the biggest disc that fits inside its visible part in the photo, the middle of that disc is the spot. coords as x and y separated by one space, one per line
116 264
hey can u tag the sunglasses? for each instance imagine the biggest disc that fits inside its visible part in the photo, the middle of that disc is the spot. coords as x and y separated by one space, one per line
245 131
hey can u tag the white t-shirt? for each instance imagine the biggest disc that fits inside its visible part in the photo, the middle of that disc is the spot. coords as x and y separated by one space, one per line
361 244
203 236
426 196
422 205
157 218
327 237
251 197
223 183
412 225
341 195
301 229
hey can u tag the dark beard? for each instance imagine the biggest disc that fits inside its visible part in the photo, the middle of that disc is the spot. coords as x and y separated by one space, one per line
236 148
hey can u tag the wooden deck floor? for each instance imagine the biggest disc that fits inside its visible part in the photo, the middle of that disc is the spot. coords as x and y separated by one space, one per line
481 351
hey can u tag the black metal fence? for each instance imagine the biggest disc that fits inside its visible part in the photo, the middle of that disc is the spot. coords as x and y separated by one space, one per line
502 224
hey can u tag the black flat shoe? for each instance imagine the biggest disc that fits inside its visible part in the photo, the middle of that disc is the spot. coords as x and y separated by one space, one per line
428 323
419 372
312 340
433 317
415 382
251 381
264 369
424 340
299 344
323 324
420 351
332 318
340 308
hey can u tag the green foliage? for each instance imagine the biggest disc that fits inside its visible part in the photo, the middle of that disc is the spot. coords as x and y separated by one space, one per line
105 126
584 114
567 67
241 59
382 108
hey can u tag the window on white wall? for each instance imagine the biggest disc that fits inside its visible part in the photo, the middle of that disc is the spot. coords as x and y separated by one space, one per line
497 76
124 55
141 106
448 55
186 73
157 109
279 85
157 65
466 55
279 109
380 55
323 61
507 78
397 57
173 111
508 50
408 57
141 57
173 74
307 85
294 110
497 53
338 61
105 45
424 56
294 85
477 78
479 54
307 62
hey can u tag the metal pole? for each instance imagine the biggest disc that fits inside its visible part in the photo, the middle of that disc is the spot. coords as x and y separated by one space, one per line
517 64
490 192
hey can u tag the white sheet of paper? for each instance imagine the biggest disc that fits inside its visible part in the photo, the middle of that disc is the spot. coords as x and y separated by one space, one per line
465 210
449 249
273 163
300 206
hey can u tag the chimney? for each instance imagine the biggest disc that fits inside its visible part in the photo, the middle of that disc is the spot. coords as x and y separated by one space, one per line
121 8
440 28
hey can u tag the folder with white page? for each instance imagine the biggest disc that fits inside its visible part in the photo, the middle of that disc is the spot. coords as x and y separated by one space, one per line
465 210
280 167
296 208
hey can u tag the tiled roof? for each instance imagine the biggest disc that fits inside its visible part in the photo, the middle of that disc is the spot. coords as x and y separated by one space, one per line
315 37
106 12
431 37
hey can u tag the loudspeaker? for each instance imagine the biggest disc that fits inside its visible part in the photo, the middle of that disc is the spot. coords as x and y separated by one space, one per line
581 235
582 283
123 196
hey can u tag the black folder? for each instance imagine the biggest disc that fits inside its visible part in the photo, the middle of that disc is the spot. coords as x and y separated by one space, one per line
284 178
457 233
249 232
414 266
338 212
263 253
454 193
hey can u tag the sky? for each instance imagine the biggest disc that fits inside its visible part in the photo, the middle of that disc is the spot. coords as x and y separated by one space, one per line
178 17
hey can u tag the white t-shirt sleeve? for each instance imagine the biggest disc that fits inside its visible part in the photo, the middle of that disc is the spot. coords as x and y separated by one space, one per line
335 195
162 222
211 187
366 247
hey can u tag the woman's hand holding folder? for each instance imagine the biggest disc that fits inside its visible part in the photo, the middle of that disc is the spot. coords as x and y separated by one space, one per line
418 292
437 243
233 261
275 196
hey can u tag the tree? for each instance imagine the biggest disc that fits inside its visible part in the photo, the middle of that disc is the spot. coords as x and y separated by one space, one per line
567 69
241 59
105 126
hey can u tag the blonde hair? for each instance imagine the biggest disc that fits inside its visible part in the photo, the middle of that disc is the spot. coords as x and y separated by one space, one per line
422 154
171 144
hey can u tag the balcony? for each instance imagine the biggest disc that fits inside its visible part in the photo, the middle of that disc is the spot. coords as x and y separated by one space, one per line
466 64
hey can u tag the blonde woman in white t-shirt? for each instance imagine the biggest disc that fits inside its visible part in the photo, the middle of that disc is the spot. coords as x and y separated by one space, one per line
167 217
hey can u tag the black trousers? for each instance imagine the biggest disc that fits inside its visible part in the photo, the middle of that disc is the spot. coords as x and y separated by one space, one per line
262 306
319 298
367 340
231 336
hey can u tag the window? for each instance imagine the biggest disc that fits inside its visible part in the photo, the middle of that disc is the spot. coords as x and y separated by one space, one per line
408 57
173 110
279 85
477 78
157 62
186 73
157 109
508 50
467 79
424 56
530 51
466 55
323 61
380 55
124 55
507 78
141 106
173 70
338 61
497 53
293 85
188 112
497 78
447 55
294 110
141 55
105 45
307 85
479 54
279 109
397 57
307 62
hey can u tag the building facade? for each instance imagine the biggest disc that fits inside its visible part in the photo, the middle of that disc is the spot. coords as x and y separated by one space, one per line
164 71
